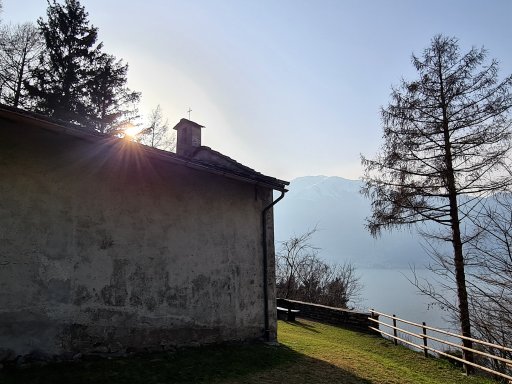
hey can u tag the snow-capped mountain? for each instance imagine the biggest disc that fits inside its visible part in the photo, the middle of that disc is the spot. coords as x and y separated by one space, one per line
311 187
335 206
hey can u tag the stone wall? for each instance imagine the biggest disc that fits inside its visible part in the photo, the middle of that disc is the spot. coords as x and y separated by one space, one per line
336 316
105 248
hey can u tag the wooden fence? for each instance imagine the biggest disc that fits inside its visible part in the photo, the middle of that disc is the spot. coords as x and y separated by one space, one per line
419 334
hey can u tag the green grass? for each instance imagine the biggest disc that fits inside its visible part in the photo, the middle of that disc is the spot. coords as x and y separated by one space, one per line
367 358
309 353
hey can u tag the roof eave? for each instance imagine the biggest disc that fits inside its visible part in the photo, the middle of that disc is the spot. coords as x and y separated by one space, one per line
53 125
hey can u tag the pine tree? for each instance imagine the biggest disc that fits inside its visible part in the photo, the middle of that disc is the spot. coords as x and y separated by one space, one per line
447 145
112 103
60 86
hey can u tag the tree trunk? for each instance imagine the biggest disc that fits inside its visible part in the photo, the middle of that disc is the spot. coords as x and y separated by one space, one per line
17 91
462 294
458 260
458 255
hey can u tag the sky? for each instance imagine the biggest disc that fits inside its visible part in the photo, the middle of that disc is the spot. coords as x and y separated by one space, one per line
287 87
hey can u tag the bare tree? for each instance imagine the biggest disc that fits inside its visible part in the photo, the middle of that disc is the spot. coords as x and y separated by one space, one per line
302 275
20 46
490 276
488 267
157 134
343 286
446 144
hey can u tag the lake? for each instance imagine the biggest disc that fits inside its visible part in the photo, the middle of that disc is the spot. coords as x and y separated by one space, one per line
389 291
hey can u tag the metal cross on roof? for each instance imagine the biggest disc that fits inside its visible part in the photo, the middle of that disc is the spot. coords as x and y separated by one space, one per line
189 110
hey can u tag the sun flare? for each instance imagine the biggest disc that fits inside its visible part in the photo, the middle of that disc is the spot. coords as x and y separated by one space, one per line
131 131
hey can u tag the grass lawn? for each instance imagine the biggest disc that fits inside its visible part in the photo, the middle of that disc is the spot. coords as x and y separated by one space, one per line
309 353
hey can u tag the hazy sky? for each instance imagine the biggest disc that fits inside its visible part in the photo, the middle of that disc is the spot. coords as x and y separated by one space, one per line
290 88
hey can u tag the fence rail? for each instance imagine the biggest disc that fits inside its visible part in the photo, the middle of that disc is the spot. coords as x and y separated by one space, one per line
424 337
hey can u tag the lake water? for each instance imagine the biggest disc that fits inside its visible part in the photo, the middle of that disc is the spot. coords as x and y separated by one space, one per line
389 291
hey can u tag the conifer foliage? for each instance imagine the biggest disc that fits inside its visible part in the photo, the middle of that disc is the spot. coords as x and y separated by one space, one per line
75 81
112 104
447 141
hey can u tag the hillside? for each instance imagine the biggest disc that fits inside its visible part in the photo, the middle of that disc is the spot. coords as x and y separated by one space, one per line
336 207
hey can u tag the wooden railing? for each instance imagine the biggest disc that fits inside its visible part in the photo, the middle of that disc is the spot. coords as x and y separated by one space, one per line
422 340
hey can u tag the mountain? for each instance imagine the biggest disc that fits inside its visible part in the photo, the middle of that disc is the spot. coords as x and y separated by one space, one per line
335 206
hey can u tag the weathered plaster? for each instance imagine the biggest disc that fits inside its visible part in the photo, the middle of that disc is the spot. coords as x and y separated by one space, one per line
103 248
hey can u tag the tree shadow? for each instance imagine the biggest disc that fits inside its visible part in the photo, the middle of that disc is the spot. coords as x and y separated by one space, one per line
298 323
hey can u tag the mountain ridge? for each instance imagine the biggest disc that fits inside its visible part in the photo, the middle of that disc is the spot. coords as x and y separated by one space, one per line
335 207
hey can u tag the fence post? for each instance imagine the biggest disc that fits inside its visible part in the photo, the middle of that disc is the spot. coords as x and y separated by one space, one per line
394 330
425 350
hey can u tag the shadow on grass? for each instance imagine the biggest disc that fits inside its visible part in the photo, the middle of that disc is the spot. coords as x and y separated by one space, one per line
254 363
298 323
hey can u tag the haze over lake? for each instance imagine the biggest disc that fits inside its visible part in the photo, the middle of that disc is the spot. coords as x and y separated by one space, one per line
335 206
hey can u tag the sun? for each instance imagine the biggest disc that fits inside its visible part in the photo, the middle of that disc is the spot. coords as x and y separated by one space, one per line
131 130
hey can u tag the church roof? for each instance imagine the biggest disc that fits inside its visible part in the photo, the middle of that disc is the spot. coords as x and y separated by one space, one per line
203 159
